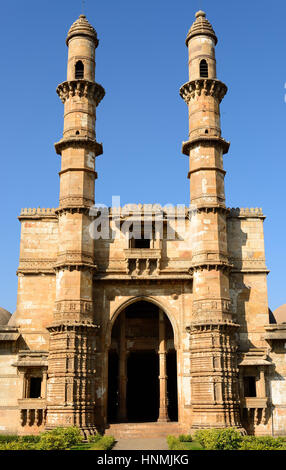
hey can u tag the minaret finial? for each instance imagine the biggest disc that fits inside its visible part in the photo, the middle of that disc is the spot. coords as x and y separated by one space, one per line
200 13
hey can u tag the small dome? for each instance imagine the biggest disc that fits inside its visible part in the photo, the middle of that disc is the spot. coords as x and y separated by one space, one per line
4 316
280 314
81 27
201 27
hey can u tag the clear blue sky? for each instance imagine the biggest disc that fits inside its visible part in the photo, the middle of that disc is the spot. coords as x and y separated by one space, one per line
142 62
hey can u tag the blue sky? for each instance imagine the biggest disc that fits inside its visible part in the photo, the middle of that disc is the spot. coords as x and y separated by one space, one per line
142 62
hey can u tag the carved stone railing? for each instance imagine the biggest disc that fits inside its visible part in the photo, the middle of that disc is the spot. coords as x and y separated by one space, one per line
142 261
32 411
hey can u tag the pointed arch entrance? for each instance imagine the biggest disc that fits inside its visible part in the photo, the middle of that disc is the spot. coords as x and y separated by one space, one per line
142 366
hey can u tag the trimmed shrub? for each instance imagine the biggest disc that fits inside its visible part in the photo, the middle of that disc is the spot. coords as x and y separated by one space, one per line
219 439
262 443
185 438
60 438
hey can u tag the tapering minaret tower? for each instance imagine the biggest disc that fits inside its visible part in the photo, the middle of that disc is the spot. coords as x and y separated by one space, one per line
73 335
214 386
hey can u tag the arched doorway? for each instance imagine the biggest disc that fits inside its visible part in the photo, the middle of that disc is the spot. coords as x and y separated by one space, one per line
142 366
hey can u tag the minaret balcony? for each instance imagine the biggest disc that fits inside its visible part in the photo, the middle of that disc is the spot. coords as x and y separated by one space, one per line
203 86
82 88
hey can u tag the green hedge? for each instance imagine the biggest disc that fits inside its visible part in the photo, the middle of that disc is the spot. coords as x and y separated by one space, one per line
225 439
263 443
219 439
57 439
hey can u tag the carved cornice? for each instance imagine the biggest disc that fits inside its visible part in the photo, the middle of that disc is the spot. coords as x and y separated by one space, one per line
73 209
211 264
205 139
82 88
207 325
203 86
79 142
207 209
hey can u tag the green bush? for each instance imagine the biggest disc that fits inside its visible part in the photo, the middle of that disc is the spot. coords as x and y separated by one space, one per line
94 438
185 438
105 443
262 443
60 438
219 439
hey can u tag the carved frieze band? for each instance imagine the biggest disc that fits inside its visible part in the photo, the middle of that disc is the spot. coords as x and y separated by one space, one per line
211 305
207 87
75 200
71 257
29 265
82 88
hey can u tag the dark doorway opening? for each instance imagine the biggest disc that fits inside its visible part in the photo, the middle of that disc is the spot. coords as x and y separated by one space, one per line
112 405
143 386
172 385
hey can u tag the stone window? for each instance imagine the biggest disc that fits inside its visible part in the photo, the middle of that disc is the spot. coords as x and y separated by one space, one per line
79 70
204 69
34 389
249 384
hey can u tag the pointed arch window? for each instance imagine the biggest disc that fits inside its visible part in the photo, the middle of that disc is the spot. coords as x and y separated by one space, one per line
204 69
79 70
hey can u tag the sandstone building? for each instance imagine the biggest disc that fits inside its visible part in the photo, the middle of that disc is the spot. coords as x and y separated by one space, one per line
171 330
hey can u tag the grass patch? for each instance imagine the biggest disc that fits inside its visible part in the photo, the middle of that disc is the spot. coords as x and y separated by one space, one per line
178 443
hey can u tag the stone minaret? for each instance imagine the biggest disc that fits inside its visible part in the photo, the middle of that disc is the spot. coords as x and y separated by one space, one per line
73 335
213 329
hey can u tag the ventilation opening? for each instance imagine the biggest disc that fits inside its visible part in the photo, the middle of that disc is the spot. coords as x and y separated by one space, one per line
204 69
77 133
249 386
206 131
79 70
35 387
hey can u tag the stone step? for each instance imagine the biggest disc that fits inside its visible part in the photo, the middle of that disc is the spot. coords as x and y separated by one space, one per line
133 430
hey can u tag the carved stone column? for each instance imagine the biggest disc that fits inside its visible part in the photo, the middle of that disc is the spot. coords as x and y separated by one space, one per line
163 403
122 410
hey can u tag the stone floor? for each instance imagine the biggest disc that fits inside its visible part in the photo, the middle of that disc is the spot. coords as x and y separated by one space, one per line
159 443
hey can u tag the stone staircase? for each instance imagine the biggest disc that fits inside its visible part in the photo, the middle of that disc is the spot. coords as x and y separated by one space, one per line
141 430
